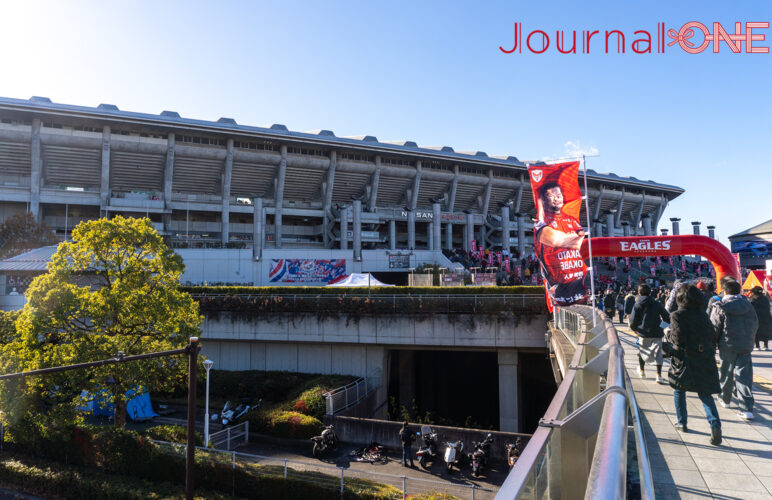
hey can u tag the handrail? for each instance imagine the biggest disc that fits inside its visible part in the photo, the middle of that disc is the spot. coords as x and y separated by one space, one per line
555 462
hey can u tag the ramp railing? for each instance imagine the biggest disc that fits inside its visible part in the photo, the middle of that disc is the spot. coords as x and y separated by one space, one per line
230 437
579 449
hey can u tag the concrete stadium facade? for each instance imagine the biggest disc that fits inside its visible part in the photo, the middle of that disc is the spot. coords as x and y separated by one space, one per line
273 188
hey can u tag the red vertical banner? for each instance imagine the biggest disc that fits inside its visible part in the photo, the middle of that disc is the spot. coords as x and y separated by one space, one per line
490 259
507 265
473 246
558 235
498 258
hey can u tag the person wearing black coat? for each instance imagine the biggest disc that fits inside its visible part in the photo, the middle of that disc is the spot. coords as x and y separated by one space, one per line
760 303
693 358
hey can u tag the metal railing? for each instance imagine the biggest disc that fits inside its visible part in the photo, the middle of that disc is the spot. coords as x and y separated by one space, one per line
231 436
346 396
325 475
579 449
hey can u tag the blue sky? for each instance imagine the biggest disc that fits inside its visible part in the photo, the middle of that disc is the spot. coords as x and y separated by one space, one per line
429 72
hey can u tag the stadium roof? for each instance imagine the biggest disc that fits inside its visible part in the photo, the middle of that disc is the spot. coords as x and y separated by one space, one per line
172 119
762 231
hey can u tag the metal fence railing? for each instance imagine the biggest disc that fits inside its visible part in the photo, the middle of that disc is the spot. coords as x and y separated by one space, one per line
579 449
328 476
348 395
231 436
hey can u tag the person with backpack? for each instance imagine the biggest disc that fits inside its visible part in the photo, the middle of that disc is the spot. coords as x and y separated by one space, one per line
646 320
406 438
609 304
630 303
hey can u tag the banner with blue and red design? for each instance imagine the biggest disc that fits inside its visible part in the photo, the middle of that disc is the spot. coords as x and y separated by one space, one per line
306 270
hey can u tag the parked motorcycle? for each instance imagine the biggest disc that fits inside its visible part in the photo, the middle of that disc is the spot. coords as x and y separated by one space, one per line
454 454
325 442
229 415
513 452
427 452
479 457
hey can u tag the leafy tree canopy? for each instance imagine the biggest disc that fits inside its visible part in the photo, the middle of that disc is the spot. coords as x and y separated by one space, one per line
112 289
21 232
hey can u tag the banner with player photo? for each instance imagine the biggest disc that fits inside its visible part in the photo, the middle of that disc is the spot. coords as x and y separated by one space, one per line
558 234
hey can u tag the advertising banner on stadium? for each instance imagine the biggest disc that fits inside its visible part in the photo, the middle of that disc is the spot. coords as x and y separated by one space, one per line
306 270
558 235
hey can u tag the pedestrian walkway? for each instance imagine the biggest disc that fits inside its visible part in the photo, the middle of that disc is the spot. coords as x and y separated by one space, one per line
686 465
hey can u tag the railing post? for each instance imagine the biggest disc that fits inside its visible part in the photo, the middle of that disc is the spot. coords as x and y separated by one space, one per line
285 468
346 391
404 487
246 432
474 487
228 434
341 480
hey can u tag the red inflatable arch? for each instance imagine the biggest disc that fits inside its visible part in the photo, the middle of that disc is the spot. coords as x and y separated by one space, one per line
651 246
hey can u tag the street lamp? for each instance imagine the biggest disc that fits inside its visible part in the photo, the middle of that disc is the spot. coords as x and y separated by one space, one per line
208 365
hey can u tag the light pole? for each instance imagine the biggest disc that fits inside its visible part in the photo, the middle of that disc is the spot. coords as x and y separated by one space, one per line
208 365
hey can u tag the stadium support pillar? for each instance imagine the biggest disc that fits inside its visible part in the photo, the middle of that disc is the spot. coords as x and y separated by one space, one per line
436 227
468 232
598 229
508 386
505 231
36 170
712 232
344 229
449 236
696 227
626 228
392 234
482 243
168 178
676 229
258 228
226 193
357 229
279 196
372 200
329 219
664 231
521 234
646 225
411 230
104 185
610 224
430 237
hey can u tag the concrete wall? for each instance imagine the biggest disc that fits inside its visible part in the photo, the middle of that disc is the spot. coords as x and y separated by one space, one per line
439 330
364 431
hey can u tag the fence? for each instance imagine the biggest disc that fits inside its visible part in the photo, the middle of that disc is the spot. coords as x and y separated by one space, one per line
348 395
342 479
231 436
579 449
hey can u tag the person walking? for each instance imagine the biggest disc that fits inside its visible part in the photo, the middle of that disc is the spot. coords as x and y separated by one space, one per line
693 359
646 320
406 438
620 303
736 323
609 304
630 303
760 303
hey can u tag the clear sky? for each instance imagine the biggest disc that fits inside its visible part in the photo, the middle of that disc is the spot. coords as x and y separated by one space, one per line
430 72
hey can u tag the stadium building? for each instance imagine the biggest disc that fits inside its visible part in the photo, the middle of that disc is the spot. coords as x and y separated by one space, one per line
262 194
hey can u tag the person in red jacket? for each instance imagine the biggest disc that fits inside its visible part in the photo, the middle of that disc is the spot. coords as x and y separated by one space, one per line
557 240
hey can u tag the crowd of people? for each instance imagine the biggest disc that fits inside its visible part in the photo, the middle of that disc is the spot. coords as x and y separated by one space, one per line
688 323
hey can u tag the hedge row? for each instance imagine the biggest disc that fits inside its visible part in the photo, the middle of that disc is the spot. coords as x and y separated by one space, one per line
381 290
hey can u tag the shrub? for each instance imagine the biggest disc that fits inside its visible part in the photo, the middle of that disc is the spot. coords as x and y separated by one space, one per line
172 434
291 424
311 402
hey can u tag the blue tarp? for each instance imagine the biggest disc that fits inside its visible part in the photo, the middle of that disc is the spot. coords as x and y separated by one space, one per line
138 408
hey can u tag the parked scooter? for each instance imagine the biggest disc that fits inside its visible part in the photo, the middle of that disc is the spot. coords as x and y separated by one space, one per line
454 454
427 452
229 415
513 452
479 457
325 442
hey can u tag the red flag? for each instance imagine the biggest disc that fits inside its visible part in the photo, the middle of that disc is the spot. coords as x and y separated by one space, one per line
653 273
627 261
670 261
498 257
558 234
473 245
490 259
629 281
507 265
518 270
683 265
533 278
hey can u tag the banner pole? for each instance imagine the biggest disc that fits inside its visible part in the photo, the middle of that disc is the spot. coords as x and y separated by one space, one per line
589 237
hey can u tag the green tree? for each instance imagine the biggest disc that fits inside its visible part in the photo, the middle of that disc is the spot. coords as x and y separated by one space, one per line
20 233
112 289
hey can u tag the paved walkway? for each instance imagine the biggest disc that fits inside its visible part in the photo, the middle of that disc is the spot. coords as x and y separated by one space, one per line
686 465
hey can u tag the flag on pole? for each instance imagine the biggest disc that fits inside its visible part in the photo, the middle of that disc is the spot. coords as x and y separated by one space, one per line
627 261
653 270
490 259
683 265
473 245
558 234
498 257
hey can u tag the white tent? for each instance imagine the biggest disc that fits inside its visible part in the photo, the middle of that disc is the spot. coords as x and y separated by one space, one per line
359 279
